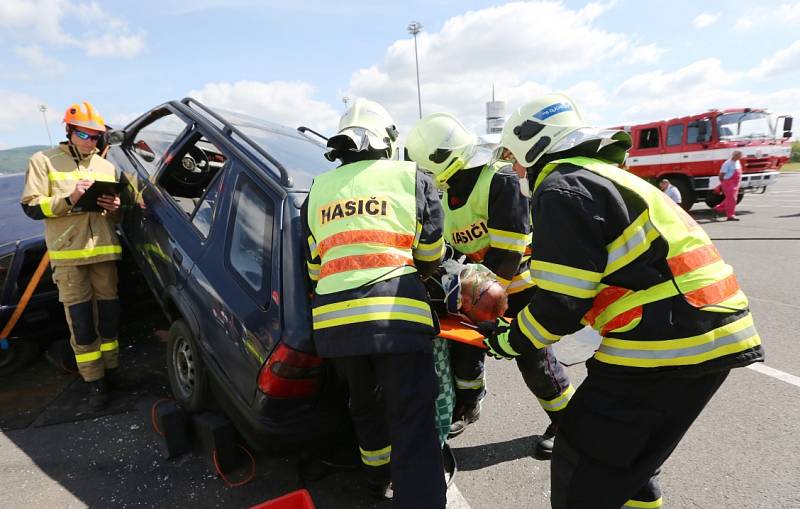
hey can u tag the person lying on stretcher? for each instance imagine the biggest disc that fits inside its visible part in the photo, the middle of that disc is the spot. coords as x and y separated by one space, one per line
467 291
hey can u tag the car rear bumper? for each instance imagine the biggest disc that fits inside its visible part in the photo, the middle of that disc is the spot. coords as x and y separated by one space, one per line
287 424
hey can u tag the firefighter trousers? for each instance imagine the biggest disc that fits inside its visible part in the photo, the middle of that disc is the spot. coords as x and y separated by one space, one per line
392 404
616 434
467 363
545 377
89 295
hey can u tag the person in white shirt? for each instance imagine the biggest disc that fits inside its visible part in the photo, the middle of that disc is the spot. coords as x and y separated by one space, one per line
670 190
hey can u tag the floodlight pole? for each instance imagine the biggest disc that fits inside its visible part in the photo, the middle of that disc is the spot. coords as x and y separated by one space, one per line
414 28
43 109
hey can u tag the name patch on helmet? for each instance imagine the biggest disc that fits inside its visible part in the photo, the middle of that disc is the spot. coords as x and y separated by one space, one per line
366 206
471 233
553 109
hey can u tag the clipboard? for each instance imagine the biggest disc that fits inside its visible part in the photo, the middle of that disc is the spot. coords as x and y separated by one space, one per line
88 202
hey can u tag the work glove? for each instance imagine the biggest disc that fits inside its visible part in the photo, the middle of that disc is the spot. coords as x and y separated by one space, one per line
496 338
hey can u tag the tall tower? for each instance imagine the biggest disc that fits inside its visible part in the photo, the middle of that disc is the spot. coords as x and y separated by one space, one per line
495 115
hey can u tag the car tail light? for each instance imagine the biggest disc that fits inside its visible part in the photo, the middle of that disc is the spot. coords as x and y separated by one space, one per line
290 374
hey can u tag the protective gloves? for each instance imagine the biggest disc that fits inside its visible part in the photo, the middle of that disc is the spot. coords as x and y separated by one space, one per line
496 338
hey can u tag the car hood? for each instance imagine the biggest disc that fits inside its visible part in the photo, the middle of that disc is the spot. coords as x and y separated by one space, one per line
14 224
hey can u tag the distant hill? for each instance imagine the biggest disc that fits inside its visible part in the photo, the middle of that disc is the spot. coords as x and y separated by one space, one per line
15 160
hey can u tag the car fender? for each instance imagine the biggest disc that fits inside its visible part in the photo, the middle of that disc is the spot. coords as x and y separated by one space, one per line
177 307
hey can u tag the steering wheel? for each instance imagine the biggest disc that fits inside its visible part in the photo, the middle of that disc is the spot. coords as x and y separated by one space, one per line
192 168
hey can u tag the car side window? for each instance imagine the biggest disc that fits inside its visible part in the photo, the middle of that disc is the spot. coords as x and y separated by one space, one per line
152 141
204 213
249 250
674 134
191 170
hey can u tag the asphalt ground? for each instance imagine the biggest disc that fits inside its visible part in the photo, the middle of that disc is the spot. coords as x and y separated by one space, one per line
743 451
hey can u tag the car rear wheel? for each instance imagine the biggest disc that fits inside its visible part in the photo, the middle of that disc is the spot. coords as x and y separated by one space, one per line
187 373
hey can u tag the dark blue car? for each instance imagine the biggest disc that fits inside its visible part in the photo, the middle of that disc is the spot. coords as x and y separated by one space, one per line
212 219
21 249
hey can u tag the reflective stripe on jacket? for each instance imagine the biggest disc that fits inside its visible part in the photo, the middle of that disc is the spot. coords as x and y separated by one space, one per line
78 238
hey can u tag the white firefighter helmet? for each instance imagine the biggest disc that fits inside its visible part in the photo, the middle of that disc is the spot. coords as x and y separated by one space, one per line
365 124
440 144
537 127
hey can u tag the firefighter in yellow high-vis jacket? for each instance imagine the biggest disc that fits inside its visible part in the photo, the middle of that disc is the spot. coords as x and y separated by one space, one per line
374 230
83 246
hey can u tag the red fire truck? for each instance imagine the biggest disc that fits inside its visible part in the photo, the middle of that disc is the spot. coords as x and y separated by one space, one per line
690 150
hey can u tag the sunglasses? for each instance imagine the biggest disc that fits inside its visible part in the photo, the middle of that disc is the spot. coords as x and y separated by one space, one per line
86 136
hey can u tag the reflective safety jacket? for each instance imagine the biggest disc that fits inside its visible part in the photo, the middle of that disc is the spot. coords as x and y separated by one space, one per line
372 226
77 238
611 251
487 219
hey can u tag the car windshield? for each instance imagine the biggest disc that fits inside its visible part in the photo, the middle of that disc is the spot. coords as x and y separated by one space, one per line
301 155
745 125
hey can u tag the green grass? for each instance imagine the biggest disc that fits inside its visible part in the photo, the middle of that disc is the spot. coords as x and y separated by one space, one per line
15 160
791 167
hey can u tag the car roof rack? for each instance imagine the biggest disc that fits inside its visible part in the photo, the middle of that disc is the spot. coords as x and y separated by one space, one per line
303 129
228 129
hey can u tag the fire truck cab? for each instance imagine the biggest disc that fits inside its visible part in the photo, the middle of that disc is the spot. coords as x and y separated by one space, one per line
690 150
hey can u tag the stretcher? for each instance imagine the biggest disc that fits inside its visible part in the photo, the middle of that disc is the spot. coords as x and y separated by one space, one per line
455 329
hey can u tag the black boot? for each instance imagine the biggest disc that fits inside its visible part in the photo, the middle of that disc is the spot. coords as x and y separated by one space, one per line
543 444
99 395
463 416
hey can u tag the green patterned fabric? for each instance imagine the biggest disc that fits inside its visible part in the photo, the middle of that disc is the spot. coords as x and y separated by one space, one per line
446 400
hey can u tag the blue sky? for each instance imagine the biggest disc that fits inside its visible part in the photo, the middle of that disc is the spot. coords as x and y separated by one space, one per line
624 61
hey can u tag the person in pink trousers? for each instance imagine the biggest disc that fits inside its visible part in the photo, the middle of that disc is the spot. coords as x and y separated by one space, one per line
730 173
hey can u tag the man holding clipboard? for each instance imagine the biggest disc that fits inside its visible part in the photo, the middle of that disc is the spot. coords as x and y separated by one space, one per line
74 190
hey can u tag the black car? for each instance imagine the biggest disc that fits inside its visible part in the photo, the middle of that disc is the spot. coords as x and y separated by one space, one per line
212 219
21 249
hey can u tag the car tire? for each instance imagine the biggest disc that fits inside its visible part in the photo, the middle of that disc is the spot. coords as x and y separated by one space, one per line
19 354
185 368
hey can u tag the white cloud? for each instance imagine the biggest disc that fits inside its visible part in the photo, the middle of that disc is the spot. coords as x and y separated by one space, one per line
19 109
119 120
472 51
692 89
84 25
787 14
288 103
648 54
36 58
743 23
705 19
784 61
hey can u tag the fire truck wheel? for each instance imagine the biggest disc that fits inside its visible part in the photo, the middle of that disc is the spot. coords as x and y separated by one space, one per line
739 197
688 195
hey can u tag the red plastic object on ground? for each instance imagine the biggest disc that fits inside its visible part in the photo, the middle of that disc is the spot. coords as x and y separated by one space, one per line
300 499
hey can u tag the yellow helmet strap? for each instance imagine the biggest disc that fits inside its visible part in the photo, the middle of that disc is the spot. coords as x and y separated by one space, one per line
443 177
